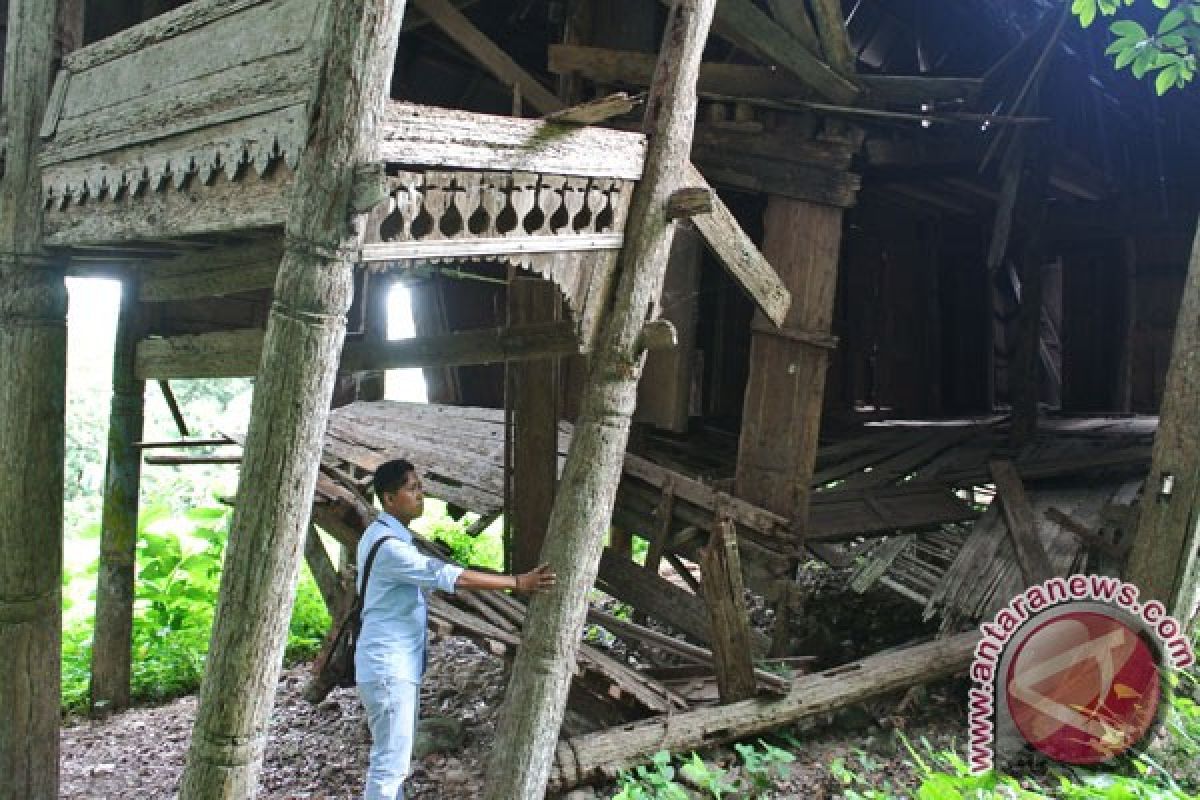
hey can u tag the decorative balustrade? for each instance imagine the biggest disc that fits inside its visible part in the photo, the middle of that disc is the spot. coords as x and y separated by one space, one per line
455 214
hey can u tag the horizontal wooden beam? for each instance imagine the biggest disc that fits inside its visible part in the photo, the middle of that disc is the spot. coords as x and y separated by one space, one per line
212 273
753 173
228 354
739 254
440 137
630 68
492 246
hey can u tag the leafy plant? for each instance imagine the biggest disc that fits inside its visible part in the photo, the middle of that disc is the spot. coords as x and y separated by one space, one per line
765 766
653 781
708 777
1169 52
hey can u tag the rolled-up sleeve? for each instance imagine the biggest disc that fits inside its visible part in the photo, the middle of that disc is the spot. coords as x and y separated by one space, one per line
402 562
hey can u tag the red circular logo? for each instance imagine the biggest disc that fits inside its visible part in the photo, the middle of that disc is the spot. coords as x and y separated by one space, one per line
1083 687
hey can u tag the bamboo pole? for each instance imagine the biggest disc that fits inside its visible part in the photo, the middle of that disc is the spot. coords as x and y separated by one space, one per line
536 698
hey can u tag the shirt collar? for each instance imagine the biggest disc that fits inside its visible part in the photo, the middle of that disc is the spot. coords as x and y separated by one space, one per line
396 525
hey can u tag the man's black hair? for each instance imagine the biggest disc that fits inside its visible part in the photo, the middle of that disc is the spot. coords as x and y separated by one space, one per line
391 476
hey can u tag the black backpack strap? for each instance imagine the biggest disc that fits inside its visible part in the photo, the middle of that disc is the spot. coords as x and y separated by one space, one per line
367 570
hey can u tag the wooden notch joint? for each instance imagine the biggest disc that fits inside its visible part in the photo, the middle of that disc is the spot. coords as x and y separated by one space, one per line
658 334
690 201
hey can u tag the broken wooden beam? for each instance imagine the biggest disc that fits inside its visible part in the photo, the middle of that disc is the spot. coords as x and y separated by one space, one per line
601 756
721 578
1085 534
1022 526
598 110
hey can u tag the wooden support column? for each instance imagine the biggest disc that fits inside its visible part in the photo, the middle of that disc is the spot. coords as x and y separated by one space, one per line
33 353
304 336
535 407
533 707
113 638
1163 561
782 410
1123 378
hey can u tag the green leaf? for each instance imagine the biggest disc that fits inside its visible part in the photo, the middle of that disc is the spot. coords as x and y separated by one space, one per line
1172 41
1128 29
1143 62
1163 4
1125 57
1166 79
1085 10
1171 20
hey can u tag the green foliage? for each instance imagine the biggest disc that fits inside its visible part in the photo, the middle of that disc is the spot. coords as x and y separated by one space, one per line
179 568
1169 53
762 766
653 781
485 550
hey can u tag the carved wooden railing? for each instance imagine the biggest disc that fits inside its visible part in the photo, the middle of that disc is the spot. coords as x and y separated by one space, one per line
456 214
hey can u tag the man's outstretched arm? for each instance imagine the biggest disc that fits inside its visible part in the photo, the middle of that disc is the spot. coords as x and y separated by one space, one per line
538 579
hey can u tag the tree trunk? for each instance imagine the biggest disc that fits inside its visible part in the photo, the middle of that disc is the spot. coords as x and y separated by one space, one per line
33 339
113 636
533 707
1163 561
291 403
603 755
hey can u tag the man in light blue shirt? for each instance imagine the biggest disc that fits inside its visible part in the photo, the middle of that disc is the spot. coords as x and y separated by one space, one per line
389 658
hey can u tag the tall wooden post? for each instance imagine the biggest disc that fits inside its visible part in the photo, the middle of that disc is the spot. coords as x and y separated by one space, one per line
535 434
33 353
782 413
534 705
112 641
291 400
1163 561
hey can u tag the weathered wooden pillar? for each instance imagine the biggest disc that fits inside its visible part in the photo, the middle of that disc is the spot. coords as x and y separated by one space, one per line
664 396
781 419
1163 561
33 352
291 399
535 431
536 697
113 637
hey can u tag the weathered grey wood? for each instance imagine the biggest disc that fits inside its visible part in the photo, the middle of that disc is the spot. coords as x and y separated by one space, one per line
610 66
252 202
1022 525
487 53
113 638
600 756
748 172
535 426
291 401
533 706
172 404
490 246
1163 559
440 137
238 269
228 354
756 31
739 255
329 582
721 579
831 30
33 304
783 401
795 20
664 394
594 111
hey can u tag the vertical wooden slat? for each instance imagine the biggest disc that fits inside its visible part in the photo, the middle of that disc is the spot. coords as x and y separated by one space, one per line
721 577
